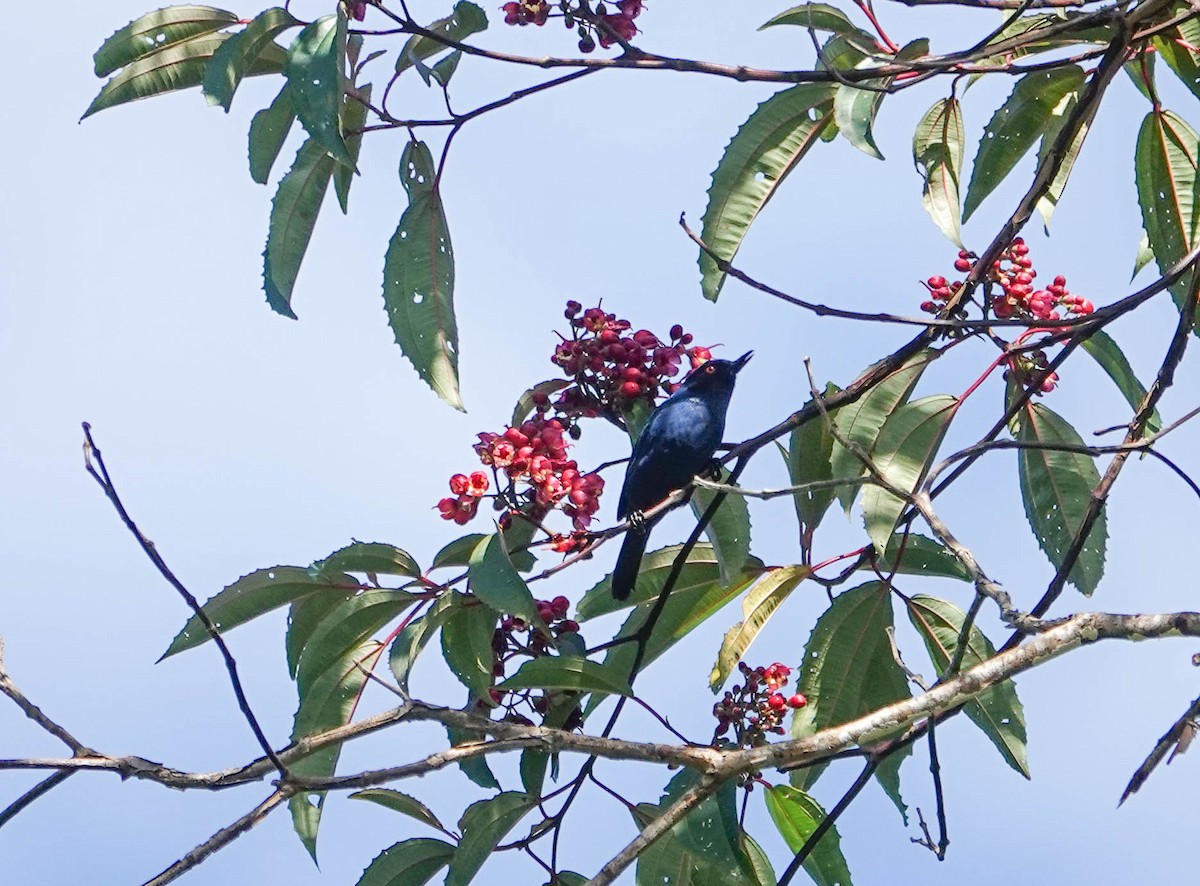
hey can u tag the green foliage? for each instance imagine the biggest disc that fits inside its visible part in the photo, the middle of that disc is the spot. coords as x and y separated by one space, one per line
574 674
293 217
1166 174
809 460
409 863
354 117
157 31
233 58
728 531
856 105
1101 347
757 608
467 19
467 643
938 155
315 68
398 801
919 555
268 131
373 558
496 582
483 826
797 815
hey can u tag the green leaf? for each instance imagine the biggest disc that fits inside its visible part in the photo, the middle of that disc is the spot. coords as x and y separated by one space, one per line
1036 100
347 626
757 608
1182 61
860 422
495 581
525 404
575 674
466 20
765 149
467 644
170 70
808 457
305 616
848 667
412 639
268 131
820 17
458 552
315 69
474 768
293 217
251 596
354 117
938 155
328 704
1165 165
483 826
1056 488
569 878
418 279
400 802
1144 255
920 556
516 541
444 70
996 710
1049 201
156 31
902 454
757 863
855 107
728 531
409 863
375 558
797 816
1101 347
232 60
533 770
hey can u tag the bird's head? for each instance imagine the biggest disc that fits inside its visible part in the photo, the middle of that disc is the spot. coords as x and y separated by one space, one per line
715 375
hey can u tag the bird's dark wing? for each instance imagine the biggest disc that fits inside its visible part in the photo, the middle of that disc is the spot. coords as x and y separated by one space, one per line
676 444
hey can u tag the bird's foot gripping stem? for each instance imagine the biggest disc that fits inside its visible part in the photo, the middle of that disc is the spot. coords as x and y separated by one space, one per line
637 521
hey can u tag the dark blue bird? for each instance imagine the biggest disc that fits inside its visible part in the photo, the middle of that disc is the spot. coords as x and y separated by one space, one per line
677 443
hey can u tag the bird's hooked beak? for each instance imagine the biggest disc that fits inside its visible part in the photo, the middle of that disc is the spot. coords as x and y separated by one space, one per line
742 361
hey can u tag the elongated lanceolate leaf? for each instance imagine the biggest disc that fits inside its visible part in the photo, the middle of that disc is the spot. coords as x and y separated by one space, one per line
401 802
728 531
232 60
413 638
808 456
293 216
347 625
156 31
418 279
765 149
268 131
912 554
409 863
938 155
483 826
1036 101
1056 488
468 19
495 581
561 672
354 117
181 66
1184 62
700 571
821 17
376 558
997 710
315 65
855 106
1168 153
757 608
1101 347
1048 202
467 643
796 816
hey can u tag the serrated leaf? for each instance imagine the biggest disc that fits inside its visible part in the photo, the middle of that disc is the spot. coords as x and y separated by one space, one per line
458 552
1033 106
855 107
412 639
418 279
354 117
251 596
728 531
373 557
494 580
796 816
860 422
156 31
268 131
444 70
1165 164
1056 488
293 216
919 555
483 826
474 768
315 69
997 710
328 704
181 66
1184 62
525 403
1101 347
902 454
757 608
820 17
304 616
575 674
409 863
467 19
808 457
757 863
764 151
347 625
467 643
401 802
938 155
232 60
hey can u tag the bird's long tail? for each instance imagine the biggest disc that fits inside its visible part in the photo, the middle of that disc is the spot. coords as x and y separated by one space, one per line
629 561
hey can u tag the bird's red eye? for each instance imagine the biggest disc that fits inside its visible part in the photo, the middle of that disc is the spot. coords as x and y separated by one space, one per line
710 369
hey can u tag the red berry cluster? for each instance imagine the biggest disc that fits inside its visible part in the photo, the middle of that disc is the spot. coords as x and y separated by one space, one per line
467 492
507 645
1018 298
1030 369
601 26
754 709
611 367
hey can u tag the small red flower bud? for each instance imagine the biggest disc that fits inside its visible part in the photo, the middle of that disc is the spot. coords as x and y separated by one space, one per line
797 701
459 484
776 702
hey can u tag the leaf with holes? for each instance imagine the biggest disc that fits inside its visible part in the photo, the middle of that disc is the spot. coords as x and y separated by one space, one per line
251 596
757 608
156 31
328 704
997 710
796 816
293 217
467 19
574 674
232 60
919 555
1101 348
268 131
315 65
401 802
418 279
938 155
409 863
345 626
902 454
1056 488
305 616
181 66
1165 166
483 826
1030 110
376 558
354 117
764 151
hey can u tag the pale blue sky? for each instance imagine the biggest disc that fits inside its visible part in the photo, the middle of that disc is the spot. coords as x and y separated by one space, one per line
131 252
